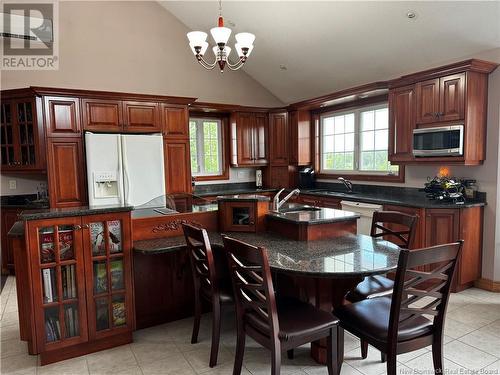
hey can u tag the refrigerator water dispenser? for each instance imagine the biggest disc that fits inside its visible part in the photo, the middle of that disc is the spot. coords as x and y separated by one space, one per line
105 185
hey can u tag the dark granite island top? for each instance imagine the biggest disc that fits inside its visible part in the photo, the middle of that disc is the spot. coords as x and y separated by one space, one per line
346 256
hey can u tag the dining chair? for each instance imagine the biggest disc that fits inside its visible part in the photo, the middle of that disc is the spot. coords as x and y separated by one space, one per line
278 324
209 283
394 226
413 317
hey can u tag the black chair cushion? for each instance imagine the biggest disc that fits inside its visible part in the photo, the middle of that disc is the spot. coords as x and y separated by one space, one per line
371 286
226 295
370 318
296 319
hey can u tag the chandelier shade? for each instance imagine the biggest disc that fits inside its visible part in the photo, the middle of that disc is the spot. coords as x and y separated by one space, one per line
220 34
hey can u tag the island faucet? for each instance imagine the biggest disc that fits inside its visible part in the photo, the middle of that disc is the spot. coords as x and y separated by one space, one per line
347 184
276 200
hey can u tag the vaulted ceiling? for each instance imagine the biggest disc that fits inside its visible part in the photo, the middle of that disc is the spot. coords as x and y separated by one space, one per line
329 46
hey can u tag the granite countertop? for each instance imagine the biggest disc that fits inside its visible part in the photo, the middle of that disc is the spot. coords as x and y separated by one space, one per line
383 195
347 256
17 229
162 212
244 197
312 215
233 191
51 213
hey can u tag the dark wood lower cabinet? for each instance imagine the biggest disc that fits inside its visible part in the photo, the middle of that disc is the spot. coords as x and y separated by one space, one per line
438 226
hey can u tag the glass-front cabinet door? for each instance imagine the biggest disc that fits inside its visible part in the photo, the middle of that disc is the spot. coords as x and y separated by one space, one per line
60 295
108 269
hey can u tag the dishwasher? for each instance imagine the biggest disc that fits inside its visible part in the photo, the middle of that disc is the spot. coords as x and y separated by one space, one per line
365 210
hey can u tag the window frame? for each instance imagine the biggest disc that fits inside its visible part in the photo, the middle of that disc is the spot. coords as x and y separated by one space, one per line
356 173
224 162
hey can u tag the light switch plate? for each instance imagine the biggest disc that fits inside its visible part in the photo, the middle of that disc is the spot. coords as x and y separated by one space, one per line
12 184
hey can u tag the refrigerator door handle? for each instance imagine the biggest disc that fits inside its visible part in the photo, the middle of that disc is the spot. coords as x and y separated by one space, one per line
125 173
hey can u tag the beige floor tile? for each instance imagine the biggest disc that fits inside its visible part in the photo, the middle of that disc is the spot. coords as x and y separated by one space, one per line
198 359
9 332
492 328
179 366
456 329
484 341
406 357
494 368
482 294
111 360
9 318
369 366
474 359
21 364
147 352
75 366
226 369
154 334
133 370
322 370
13 347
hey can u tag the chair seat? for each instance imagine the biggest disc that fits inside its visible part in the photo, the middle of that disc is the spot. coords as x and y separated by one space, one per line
371 286
371 319
225 292
296 319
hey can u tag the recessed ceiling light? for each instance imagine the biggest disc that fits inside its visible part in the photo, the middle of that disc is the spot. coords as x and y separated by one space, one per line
411 15
283 67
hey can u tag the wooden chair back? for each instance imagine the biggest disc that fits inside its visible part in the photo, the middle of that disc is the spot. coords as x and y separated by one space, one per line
404 236
202 259
423 293
253 288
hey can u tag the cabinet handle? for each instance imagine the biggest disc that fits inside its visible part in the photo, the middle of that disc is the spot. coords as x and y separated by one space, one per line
85 226
77 227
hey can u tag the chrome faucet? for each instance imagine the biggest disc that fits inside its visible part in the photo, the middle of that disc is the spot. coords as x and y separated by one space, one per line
347 184
276 200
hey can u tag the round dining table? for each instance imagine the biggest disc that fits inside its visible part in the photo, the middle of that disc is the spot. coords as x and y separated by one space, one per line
321 272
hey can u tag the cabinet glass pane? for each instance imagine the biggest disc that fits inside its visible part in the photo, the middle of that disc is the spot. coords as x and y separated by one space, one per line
97 239
52 324
49 284
47 247
115 236
21 112
69 284
66 249
100 277
118 310
241 216
71 324
116 269
101 314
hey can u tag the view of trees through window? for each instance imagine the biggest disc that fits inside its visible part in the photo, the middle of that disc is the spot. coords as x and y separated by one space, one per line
356 140
205 146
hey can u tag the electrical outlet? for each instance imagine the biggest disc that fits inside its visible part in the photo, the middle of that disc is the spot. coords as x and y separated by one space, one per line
241 175
12 184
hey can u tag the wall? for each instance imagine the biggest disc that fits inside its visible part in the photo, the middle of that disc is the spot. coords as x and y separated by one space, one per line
135 46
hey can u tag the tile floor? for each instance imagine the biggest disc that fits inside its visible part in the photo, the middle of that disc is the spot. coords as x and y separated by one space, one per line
472 347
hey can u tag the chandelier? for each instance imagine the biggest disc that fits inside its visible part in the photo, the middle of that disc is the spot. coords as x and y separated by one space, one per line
199 45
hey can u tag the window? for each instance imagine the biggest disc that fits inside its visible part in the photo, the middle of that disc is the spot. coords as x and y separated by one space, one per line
205 140
356 142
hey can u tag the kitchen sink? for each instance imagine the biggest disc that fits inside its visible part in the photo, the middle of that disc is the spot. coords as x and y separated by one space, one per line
294 208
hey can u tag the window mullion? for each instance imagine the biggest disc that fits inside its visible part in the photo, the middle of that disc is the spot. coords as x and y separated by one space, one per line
357 141
201 146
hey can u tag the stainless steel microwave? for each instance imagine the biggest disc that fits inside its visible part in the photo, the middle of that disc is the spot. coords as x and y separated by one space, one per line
439 141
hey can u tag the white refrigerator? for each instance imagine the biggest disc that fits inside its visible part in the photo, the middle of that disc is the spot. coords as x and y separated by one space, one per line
124 169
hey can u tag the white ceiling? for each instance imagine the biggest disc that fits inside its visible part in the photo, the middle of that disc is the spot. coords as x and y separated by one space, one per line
328 46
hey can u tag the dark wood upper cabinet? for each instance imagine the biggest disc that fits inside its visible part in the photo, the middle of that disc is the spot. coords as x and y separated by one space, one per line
177 166
102 115
21 135
452 97
141 117
175 121
260 139
66 172
249 139
427 101
62 116
299 124
401 123
441 99
278 139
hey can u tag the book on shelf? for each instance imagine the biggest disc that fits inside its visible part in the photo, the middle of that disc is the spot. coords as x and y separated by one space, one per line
52 329
102 315
47 254
97 238
47 286
68 275
101 279
66 244
115 236
64 278
119 316
116 269
71 320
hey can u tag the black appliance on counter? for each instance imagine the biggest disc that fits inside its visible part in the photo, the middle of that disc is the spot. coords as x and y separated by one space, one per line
445 189
307 178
